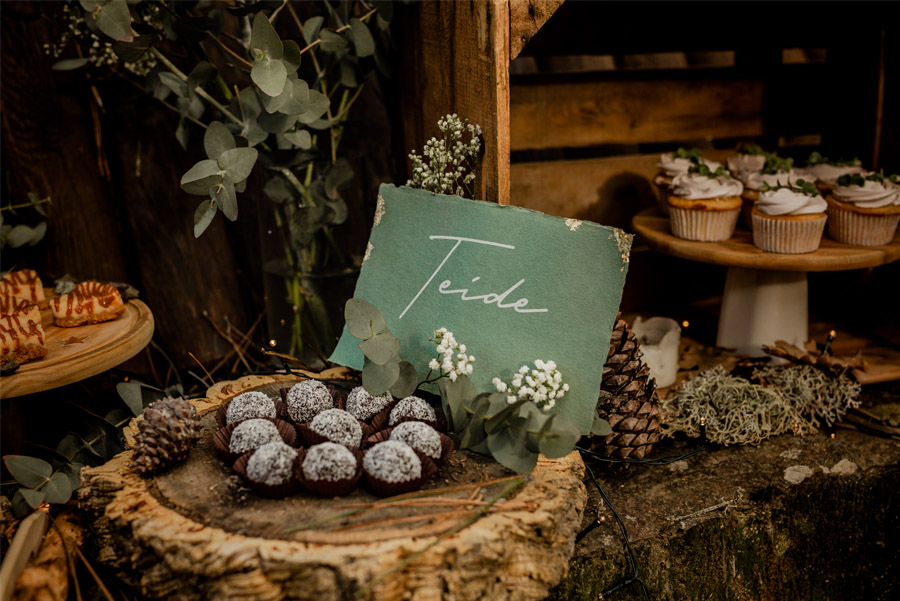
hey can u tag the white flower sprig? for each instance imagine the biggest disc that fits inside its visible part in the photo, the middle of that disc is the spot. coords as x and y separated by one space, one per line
448 165
453 360
542 385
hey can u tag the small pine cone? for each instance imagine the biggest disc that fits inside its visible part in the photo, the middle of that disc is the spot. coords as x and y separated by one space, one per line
166 434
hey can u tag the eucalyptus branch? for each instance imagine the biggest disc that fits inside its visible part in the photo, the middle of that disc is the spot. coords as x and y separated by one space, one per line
338 30
25 205
235 55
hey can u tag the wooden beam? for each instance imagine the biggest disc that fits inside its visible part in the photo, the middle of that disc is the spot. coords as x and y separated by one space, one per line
456 60
526 17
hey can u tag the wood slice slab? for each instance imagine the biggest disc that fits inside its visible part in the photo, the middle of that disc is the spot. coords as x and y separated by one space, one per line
195 532
74 354
739 251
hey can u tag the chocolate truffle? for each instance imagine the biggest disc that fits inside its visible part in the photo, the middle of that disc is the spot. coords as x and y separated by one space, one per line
252 434
392 461
307 399
420 436
363 405
338 426
329 461
413 407
247 405
271 463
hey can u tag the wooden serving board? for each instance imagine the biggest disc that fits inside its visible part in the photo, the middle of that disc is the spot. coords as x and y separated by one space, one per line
74 354
739 251
195 532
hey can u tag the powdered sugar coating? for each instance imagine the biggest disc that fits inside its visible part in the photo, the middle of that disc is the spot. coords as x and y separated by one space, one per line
329 461
271 463
420 436
414 407
252 434
307 399
338 426
392 461
363 405
248 405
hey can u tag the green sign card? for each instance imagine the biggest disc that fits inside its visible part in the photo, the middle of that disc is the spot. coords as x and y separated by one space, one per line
512 284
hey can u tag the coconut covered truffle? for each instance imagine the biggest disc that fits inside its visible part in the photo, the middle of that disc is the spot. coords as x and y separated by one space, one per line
329 461
412 407
307 399
271 463
338 426
420 436
252 434
363 405
248 405
392 461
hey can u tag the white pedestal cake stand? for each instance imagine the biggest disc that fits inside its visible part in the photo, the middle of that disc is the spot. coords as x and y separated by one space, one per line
766 296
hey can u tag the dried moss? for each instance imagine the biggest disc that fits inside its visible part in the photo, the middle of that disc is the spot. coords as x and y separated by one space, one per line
739 411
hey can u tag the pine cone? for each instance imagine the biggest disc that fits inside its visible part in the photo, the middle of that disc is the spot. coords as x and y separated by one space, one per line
628 399
166 433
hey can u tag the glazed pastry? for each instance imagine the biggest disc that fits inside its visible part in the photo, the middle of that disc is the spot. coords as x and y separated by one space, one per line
24 285
9 305
88 302
21 339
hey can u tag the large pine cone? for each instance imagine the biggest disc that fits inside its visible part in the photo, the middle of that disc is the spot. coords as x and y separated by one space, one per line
166 434
628 399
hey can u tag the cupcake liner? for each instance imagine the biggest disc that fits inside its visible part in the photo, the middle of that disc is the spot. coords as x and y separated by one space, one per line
849 227
383 488
446 445
280 413
310 437
222 438
279 491
787 236
326 488
703 226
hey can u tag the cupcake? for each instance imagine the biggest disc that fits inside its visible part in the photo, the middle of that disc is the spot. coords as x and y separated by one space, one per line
412 408
307 399
749 159
672 164
364 406
827 171
420 436
704 206
776 171
789 219
249 405
864 209
338 426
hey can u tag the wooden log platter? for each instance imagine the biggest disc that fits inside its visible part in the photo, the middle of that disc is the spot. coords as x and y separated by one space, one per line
474 531
74 354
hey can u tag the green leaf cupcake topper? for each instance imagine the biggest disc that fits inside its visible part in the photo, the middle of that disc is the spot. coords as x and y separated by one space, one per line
703 169
776 164
801 186
753 149
693 155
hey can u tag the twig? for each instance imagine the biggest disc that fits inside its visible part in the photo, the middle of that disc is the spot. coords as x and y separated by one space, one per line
234 54
70 563
90 568
245 339
196 360
228 339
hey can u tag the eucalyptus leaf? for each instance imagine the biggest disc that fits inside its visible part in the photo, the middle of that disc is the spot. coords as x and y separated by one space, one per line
217 139
181 133
507 446
58 489
203 73
377 379
273 104
276 123
34 498
264 38
174 83
300 138
385 13
270 75
226 198
68 64
297 101
338 175
130 393
457 395
318 106
381 348
278 190
131 52
113 19
238 163
337 210
28 471
473 433
331 41
501 411
311 29
362 38
246 9
363 319
73 473
203 216
20 235
201 176
406 381
291 58
304 224
350 77
600 427
70 446
560 438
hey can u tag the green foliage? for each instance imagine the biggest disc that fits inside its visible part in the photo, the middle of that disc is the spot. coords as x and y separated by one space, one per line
858 179
753 149
447 166
703 169
16 236
800 185
815 158
693 154
776 164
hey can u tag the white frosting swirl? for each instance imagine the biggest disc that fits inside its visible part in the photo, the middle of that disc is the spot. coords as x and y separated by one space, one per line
672 166
785 201
828 174
755 180
869 196
742 165
693 186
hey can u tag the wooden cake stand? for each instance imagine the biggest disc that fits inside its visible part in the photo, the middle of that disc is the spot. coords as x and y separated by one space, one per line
74 354
195 532
766 295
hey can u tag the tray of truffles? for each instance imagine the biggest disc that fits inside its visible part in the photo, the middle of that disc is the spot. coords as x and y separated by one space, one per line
49 340
327 439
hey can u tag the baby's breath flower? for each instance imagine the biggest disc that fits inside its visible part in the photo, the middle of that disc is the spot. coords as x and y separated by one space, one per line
542 385
442 167
453 361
